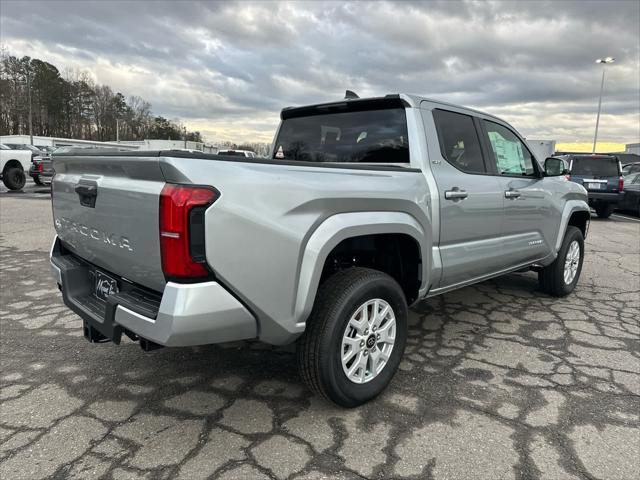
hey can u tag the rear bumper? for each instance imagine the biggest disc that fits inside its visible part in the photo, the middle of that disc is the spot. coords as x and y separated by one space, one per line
182 315
603 197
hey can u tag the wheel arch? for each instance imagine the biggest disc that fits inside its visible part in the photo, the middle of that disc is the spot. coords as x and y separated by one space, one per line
575 213
343 227
12 163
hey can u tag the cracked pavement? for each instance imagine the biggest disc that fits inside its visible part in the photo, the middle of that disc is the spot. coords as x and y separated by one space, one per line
498 381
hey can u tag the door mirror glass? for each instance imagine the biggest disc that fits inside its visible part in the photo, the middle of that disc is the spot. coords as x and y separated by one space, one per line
554 167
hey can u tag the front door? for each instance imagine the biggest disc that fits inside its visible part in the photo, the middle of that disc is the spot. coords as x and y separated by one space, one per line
471 201
527 203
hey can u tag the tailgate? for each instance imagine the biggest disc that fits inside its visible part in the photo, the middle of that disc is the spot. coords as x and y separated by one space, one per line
106 209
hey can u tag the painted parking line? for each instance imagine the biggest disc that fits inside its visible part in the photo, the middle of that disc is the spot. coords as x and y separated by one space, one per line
625 217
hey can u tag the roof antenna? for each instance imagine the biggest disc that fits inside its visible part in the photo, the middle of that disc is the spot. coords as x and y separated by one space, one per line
348 95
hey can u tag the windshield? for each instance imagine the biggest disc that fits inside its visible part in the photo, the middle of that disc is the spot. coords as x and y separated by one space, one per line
631 178
232 153
370 136
15 146
631 168
604 167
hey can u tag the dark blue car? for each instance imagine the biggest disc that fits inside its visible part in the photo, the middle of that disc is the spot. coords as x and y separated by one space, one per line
601 176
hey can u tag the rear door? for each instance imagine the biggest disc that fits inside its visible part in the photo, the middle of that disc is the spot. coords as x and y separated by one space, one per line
528 228
471 201
596 173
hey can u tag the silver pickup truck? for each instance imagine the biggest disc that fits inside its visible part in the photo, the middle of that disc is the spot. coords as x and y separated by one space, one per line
364 207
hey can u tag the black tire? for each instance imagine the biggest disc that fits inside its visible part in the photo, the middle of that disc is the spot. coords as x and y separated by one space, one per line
604 210
551 278
37 181
319 348
14 178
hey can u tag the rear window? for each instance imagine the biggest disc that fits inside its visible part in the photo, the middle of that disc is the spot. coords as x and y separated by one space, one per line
459 142
370 136
604 167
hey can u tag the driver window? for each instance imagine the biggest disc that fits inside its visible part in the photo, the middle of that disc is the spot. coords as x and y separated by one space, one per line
512 157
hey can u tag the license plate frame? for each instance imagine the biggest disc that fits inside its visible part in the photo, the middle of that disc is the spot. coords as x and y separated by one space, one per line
104 285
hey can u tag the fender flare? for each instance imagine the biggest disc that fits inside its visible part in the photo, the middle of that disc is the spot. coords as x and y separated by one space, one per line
570 208
337 228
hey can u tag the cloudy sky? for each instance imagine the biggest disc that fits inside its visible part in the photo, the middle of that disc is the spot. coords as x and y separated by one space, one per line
227 69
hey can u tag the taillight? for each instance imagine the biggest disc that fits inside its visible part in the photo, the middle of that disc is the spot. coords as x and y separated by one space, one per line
40 167
182 210
568 177
620 184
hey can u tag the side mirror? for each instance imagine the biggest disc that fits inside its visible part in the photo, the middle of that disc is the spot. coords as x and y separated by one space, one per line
554 167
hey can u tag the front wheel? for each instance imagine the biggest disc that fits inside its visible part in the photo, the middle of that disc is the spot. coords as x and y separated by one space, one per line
14 178
561 277
355 336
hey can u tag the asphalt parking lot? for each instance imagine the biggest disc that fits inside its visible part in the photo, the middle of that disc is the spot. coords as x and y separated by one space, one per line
499 381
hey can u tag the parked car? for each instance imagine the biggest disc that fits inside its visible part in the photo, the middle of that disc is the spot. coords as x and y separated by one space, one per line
237 153
630 168
41 170
13 165
631 194
601 176
48 149
365 207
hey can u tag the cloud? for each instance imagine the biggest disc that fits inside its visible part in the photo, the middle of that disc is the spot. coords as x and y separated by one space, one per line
228 68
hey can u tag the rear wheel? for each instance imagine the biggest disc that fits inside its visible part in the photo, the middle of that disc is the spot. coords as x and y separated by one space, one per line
604 210
355 336
561 277
14 178
36 179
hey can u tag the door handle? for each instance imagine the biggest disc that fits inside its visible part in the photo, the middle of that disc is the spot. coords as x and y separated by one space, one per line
87 190
511 194
455 194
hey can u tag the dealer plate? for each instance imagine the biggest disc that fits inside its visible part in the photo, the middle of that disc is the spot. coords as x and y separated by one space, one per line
104 286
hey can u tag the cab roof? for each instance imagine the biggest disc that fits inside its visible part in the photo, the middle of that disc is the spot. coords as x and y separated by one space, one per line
392 100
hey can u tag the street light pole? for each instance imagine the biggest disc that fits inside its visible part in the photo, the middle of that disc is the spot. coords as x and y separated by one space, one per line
30 116
603 61
117 130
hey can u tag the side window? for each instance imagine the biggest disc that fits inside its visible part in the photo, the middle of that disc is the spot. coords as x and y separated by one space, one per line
512 156
459 142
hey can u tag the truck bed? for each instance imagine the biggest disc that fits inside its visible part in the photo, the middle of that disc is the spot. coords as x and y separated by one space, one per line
256 231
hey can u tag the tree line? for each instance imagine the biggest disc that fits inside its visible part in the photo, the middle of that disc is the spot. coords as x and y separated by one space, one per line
72 105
